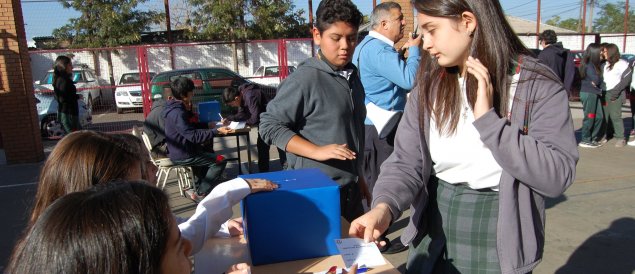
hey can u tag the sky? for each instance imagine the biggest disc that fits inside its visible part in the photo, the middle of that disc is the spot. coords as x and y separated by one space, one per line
42 16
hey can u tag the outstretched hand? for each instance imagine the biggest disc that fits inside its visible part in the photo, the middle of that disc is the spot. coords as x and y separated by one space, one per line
333 151
371 225
485 93
258 185
241 268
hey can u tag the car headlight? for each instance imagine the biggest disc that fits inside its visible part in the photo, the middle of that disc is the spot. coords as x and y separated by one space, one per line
121 93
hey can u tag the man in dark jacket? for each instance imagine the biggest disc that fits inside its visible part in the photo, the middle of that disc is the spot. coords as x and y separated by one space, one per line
250 103
184 139
556 57
154 126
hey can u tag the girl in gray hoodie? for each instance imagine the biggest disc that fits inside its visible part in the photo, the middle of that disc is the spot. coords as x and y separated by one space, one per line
485 136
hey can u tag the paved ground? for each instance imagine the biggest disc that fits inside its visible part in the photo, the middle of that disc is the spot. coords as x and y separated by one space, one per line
590 229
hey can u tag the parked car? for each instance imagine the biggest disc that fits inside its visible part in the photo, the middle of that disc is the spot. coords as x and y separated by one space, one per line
47 114
128 92
209 84
269 75
88 85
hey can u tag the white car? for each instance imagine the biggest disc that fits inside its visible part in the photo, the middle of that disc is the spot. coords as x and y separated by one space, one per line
128 91
47 114
269 75
88 85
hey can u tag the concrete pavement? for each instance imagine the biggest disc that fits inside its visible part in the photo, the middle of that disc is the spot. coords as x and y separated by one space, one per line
590 229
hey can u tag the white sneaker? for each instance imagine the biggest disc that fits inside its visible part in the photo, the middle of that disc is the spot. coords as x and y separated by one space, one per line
631 143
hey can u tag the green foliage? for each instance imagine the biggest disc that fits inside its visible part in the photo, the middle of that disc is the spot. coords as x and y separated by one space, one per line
570 23
105 23
611 18
230 20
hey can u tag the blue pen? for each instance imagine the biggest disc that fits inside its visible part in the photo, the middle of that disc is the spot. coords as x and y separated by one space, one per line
363 269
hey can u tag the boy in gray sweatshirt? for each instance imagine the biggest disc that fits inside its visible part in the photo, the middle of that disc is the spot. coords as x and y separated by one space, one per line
318 114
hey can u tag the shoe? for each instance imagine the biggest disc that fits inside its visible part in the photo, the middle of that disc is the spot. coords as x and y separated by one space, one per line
589 144
620 143
602 141
194 196
631 143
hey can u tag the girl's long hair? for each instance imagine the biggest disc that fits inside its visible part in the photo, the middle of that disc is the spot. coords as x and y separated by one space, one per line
591 58
613 53
494 43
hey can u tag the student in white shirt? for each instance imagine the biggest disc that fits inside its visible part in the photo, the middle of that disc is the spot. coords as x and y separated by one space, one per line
617 77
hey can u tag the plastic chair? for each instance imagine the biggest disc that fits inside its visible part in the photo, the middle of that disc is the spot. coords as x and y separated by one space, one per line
165 167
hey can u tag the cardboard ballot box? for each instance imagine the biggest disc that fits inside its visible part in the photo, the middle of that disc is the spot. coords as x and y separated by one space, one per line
299 220
209 111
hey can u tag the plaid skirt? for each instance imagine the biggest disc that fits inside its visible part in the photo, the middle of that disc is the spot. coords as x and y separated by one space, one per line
461 238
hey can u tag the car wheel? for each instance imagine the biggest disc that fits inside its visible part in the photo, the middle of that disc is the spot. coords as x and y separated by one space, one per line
51 127
119 110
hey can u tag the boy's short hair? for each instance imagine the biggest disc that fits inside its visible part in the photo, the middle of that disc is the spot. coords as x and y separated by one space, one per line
332 11
549 36
181 86
229 94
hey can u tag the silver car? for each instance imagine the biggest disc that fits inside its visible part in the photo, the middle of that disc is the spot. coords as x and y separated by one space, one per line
47 114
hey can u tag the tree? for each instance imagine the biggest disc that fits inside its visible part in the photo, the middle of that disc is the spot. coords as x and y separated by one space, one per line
569 23
273 19
106 23
611 18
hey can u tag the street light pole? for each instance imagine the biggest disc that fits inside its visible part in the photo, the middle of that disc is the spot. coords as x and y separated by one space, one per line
538 25
166 3
583 24
625 26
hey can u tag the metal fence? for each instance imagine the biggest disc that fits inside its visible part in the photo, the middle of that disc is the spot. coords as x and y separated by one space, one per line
116 83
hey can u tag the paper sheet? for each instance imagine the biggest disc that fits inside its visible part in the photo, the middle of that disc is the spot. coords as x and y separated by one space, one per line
237 125
354 250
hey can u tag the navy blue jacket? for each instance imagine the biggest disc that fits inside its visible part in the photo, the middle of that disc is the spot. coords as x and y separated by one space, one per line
182 137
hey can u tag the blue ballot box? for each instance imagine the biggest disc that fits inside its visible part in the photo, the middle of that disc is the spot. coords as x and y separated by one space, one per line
208 111
299 220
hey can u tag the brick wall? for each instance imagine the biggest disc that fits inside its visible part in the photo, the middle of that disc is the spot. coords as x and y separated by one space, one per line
19 124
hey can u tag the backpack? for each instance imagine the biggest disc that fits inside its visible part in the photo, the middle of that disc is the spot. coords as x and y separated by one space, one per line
569 72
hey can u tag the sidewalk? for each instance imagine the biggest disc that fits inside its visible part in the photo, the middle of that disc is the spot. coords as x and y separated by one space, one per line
590 229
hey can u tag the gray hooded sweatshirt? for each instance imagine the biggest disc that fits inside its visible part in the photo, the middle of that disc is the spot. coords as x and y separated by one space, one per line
323 107
541 163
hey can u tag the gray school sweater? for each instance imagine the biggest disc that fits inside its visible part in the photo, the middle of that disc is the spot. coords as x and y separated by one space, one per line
537 165
323 107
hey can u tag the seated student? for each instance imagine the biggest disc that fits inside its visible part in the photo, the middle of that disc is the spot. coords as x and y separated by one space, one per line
250 103
123 227
154 125
83 159
185 141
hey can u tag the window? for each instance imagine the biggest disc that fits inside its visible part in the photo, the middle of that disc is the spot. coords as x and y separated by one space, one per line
271 71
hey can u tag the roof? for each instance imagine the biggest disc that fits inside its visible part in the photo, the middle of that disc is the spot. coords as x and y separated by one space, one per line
524 26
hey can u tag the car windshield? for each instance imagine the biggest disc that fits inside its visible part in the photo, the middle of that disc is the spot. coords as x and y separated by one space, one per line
132 78
48 79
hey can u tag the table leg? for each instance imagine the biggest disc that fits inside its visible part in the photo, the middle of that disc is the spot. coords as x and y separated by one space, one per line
248 154
240 171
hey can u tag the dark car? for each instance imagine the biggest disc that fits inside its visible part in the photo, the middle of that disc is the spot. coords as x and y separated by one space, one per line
209 84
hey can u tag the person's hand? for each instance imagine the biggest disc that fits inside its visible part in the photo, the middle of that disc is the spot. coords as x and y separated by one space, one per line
363 189
333 151
235 226
258 185
372 224
416 41
225 122
225 130
240 268
484 94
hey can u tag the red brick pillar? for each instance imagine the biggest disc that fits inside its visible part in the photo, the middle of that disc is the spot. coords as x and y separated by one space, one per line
19 124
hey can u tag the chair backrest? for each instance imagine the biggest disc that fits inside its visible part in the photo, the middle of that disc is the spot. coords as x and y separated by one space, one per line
146 141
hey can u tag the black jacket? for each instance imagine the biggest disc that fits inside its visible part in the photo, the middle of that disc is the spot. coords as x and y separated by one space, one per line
558 59
66 95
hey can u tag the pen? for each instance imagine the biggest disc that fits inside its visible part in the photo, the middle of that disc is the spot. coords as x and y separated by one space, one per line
362 270
221 117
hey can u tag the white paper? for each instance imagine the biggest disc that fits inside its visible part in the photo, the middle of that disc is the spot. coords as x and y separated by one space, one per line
237 125
355 251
